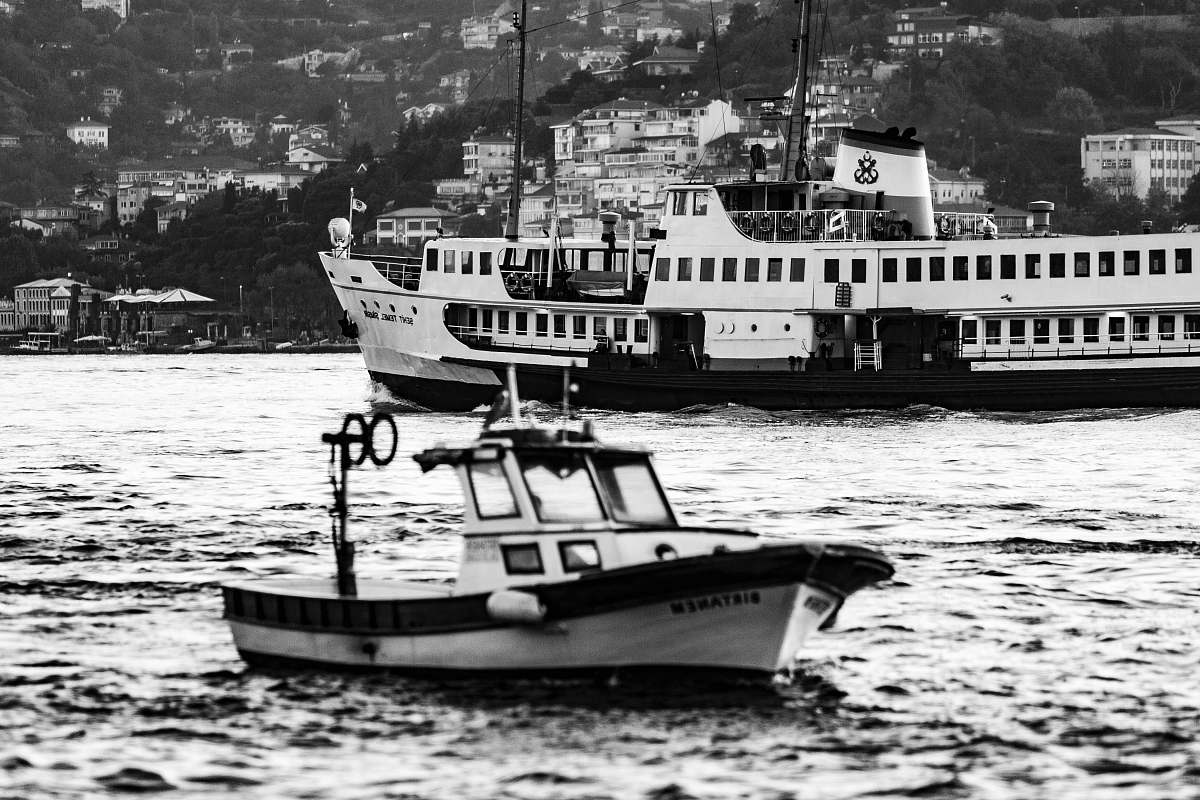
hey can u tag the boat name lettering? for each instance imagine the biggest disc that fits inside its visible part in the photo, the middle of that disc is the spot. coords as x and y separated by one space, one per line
482 548
388 317
695 604
817 605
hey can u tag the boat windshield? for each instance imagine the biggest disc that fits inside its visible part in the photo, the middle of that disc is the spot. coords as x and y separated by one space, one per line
493 495
561 487
632 491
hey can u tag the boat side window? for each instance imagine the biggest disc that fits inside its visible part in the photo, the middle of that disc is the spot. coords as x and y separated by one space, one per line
522 323
937 268
560 326
489 486
542 324
600 328
775 269
1041 331
1106 264
679 203
970 331
983 268
560 487
468 267
502 321
522 559
448 261
833 270
684 270
1191 326
620 329
1183 260
631 489
858 270
662 269
796 270
579 556
487 320
1158 262
641 330
473 318
1008 267
1132 262
960 268
1016 331
707 268
991 331
751 274
1140 329
729 269
1066 330
888 271
579 327
485 263
431 259
1058 265
1091 329
1083 265
1116 329
1033 265
1166 327
700 208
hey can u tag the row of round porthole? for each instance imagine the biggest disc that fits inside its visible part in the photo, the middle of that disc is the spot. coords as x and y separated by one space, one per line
390 306
787 327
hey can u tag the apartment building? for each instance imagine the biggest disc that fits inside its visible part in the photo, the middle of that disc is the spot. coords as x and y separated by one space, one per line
488 159
1132 161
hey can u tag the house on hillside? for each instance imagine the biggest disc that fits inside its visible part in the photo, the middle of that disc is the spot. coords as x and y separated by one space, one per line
312 158
411 227
667 60
87 133
483 32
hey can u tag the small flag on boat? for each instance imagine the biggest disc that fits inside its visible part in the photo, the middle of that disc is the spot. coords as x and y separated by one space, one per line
501 407
358 205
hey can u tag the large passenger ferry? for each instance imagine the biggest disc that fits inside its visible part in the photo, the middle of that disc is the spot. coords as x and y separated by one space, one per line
841 290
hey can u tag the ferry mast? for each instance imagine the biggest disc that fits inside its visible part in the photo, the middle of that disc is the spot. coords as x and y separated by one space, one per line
512 228
795 152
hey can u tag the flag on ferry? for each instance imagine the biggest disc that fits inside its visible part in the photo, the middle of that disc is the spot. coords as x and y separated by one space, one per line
358 205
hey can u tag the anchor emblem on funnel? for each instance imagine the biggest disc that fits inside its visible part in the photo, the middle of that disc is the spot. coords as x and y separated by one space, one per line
866 172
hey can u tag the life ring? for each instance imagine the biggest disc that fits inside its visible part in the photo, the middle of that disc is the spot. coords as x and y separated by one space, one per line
894 231
765 222
810 222
945 227
878 224
821 327
747 222
787 222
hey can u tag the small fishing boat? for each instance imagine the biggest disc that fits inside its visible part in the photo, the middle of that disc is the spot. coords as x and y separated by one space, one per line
572 562
198 345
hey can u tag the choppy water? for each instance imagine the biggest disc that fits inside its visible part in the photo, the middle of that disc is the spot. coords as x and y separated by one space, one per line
1041 638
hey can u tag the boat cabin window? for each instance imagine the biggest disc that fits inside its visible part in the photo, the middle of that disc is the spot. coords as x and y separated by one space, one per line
431 259
522 559
493 496
485 263
560 487
579 556
700 208
632 491
1183 260
679 203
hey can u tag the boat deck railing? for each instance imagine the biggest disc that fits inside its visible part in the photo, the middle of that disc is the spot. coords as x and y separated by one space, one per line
403 271
852 225
569 344
1142 344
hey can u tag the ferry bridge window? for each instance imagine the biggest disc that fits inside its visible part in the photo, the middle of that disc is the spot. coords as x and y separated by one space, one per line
600 327
620 329
662 269
991 331
729 269
1033 265
684 272
937 268
522 559
1166 327
1106 264
489 486
701 207
1008 267
541 324
560 487
1058 265
579 327
1091 329
983 268
1066 331
970 331
961 264
1140 329
751 274
774 269
679 203
448 260
560 326
796 270
833 269
1191 326
632 491
1016 331
1116 329
707 268
502 321
431 259
1157 264
1183 260
487 320
641 330
1083 265
522 323
858 270
888 271
468 268
485 263
1041 331
1132 266
579 556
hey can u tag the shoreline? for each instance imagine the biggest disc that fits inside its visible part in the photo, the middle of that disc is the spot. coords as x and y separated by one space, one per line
222 350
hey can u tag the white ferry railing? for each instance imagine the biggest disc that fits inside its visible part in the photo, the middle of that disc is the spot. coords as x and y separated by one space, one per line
403 271
868 354
1142 344
569 343
964 225
853 225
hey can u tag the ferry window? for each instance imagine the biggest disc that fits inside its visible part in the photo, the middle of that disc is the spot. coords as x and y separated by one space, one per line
983 268
1008 267
1183 260
1016 331
1140 329
641 330
1132 266
684 272
541 324
1091 329
522 323
501 322
662 269
937 268
472 318
522 559
1033 265
579 556
632 491
1116 329
1158 262
796 270
560 487
1041 331
960 268
1058 265
1106 264
833 269
888 272
991 331
729 269
679 203
620 329
448 260
431 259
493 496
1066 331
485 263
970 331
1166 326
468 268
774 269
707 267
600 327
1191 326
579 327
858 270
700 209
560 326
487 320
751 270
1083 265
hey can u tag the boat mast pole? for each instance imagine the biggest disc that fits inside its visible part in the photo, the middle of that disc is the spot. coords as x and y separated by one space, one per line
800 45
512 229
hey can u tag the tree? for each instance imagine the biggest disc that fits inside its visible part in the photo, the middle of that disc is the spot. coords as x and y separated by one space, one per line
1073 111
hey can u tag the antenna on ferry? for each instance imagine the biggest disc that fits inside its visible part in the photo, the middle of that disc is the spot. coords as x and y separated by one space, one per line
512 228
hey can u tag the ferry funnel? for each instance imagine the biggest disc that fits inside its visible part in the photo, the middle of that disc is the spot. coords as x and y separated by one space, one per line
892 165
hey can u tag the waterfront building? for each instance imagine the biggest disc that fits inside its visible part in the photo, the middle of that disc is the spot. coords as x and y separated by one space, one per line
1132 161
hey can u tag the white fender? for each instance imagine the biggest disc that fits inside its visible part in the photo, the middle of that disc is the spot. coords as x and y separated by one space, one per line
509 605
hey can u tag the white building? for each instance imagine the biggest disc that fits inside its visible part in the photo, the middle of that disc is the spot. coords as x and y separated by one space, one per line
948 186
482 33
118 7
488 158
1132 161
88 133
